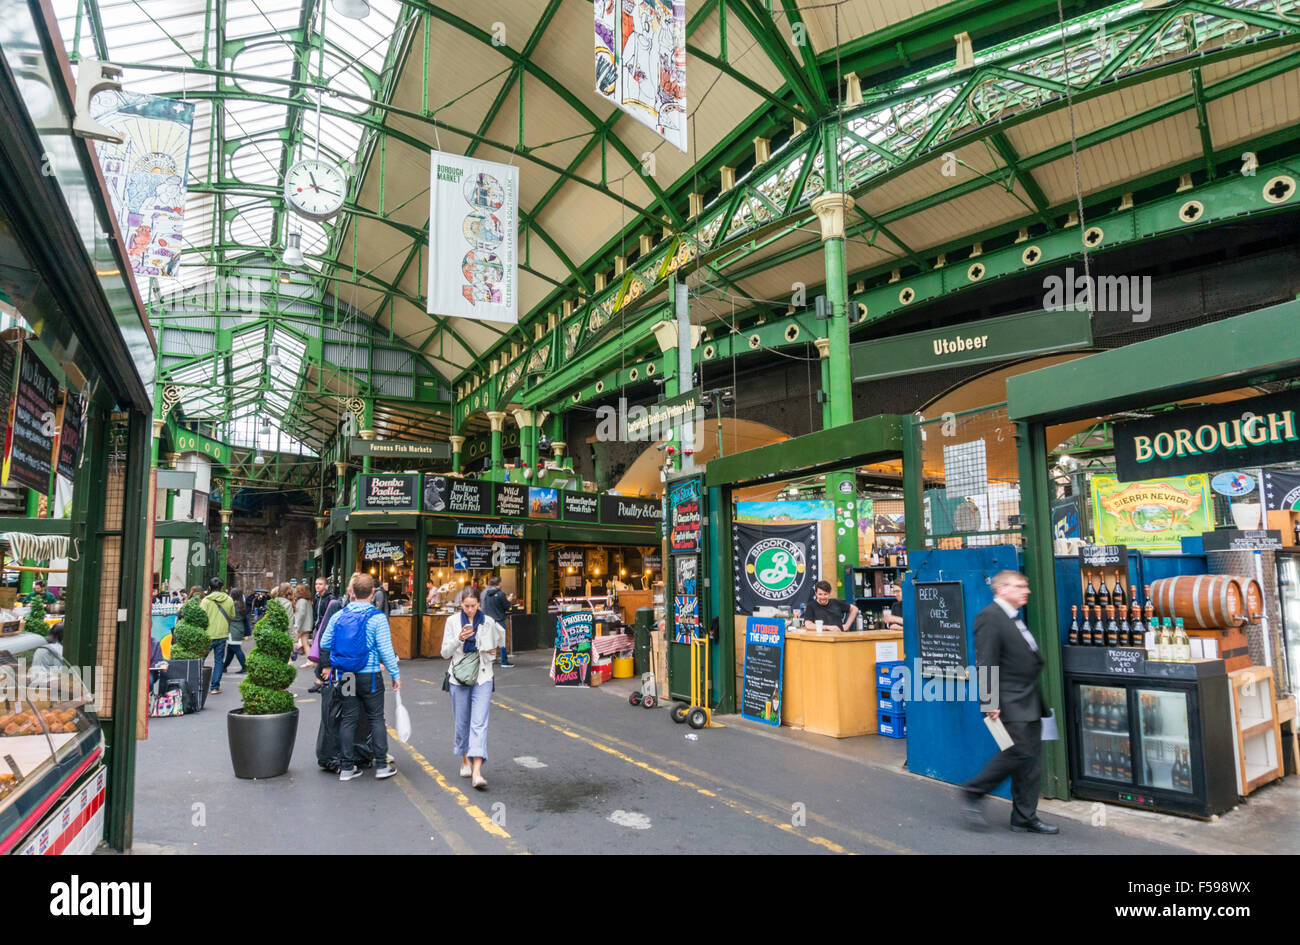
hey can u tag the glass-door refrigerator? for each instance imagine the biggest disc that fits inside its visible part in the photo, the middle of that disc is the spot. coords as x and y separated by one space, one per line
1149 734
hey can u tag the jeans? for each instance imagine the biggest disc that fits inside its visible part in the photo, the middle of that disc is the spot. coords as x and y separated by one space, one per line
369 689
469 711
505 656
235 651
218 660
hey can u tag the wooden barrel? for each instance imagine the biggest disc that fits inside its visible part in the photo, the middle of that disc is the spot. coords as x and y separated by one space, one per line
1252 598
1202 600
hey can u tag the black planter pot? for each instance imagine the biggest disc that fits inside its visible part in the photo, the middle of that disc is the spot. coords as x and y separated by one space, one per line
261 745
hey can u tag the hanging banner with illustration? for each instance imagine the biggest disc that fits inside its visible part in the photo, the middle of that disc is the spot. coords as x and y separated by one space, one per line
774 565
1153 514
686 598
571 662
473 236
640 60
146 174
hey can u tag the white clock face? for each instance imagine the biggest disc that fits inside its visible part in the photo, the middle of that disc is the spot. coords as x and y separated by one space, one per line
315 189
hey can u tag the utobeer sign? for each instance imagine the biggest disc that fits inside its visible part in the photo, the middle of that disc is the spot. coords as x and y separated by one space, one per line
1260 431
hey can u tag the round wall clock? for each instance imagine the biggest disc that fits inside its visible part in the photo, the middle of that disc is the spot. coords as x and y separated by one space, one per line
315 189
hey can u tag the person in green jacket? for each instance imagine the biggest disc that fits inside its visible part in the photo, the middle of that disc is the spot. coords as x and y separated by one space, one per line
220 608
39 591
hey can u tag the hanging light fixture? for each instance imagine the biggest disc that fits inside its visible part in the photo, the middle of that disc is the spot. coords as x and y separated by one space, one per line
293 250
352 9
272 362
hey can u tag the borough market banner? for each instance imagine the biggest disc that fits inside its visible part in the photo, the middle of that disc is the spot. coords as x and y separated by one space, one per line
641 62
146 175
473 237
1152 514
774 565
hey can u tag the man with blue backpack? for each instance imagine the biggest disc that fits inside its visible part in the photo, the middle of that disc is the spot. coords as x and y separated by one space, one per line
355 642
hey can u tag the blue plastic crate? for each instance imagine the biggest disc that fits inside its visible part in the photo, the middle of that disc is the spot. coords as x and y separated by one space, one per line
885 673
891 706
892 726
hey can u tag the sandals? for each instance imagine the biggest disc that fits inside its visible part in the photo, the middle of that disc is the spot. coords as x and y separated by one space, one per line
466 770
480 782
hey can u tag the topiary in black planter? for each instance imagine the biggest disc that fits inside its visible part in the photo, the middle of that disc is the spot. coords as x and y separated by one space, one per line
262 733
190 646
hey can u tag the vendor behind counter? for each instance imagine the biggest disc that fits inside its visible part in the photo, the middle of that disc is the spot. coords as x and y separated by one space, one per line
831 611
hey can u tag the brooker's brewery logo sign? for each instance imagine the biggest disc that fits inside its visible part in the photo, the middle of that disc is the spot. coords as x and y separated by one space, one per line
773 567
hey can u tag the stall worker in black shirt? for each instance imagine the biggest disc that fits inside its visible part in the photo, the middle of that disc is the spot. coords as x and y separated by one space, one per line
831 611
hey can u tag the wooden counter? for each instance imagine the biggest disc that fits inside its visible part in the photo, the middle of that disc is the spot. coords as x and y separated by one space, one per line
403 640
829 686
630 601
431 637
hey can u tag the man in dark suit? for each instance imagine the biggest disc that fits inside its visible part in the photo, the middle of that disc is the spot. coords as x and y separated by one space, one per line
1003 643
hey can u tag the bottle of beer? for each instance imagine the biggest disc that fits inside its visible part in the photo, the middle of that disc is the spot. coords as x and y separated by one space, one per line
1112 628
1137 632
1117 595
1073 637
1089 593
1103 593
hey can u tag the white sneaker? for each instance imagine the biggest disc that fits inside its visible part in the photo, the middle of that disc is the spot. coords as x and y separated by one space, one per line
480 782
387 771
347 774
466 770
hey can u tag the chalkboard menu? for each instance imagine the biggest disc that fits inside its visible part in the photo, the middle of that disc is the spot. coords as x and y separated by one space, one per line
1233 539
760 697
941 629
685 515
439 555
512 499
70 436
448 494
629 510
580 506
1126 662
31 453
391 493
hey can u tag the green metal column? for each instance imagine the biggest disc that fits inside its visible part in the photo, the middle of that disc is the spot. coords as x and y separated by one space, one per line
824 349
1035 506
722 597
842 491
913 484
457 444
527 438
541 587
225 529
120 734
165 569
831 208
367 429
88 505
497 419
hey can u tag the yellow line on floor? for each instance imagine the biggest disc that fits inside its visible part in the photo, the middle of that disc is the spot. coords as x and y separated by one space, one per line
475 812
759 796
734 805
454 841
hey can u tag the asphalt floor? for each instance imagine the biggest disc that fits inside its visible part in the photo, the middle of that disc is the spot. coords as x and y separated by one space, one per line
582 771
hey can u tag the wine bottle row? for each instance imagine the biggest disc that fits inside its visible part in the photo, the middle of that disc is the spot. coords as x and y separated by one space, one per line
1110 757
1105 710
1128 626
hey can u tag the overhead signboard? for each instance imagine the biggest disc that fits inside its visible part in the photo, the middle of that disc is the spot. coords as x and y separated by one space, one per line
630 510
71 434
511 499
1260 431
399 449
489 530
384 550
580 506
685 514
471 558
507 554
454 496
388 493
176 479
992 339
1154 514
543 503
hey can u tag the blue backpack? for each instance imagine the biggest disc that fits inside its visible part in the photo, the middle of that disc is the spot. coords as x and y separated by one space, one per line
350 651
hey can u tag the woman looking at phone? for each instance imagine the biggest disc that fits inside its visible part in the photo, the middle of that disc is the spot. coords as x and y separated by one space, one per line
470 640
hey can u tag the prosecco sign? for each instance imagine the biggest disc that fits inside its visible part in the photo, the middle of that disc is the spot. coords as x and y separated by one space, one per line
1260 431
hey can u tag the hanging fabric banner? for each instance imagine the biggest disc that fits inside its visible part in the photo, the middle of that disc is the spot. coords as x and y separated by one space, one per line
640 60
146 175
473 236
774 565
1281 490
